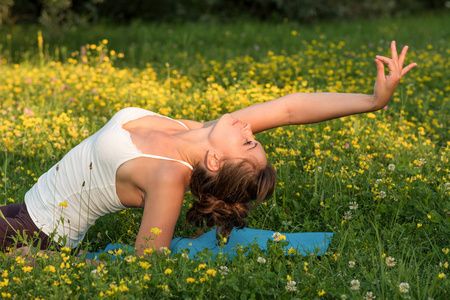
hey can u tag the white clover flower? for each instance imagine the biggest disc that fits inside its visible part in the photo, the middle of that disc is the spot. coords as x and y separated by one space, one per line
422 161
447 186
391 167
129 259
164 250
382 194
354 284
223 270
390 262
278 237
369 296
393 198
348 215
291 286
403 287
353 205
261 260
351 264
319 169
378 181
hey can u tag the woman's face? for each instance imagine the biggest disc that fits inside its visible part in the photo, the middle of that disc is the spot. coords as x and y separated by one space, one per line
233 139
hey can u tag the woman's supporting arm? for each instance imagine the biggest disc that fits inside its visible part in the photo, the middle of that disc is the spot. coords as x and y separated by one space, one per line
304 108
163 200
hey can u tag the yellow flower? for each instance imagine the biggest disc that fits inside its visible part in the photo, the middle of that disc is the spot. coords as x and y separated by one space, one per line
168 271
190 280
164 287
211 272
63 204
156 231
278 237
288 278
419 225
371 116
65 249
321 293
20 260
202 266
441 275
145 265
50 268
148 251
4 283
27 269
123 288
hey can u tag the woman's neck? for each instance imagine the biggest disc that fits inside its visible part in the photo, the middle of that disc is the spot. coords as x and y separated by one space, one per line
192 145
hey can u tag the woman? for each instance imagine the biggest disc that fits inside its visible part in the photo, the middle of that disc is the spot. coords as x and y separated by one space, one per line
141 159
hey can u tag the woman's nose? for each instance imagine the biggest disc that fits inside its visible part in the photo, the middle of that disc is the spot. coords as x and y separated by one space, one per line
248 127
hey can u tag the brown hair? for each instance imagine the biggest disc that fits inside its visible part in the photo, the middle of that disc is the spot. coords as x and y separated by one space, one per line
224 197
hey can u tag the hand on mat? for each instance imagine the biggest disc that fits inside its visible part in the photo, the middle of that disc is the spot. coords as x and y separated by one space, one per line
386 85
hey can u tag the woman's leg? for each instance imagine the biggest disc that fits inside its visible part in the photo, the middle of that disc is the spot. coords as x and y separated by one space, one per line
8 224
17 224
11 210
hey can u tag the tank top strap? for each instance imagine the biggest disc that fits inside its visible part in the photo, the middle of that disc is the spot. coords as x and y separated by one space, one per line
181 123
178 121
166 158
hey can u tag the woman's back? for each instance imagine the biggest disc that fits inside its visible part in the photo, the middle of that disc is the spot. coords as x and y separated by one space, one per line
82 186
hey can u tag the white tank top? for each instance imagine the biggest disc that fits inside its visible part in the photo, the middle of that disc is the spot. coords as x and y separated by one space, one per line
80 188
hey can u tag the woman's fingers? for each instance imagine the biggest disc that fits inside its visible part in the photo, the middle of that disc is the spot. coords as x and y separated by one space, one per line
396 63
390 63
384 59
407 68
401 59
380 70
394 51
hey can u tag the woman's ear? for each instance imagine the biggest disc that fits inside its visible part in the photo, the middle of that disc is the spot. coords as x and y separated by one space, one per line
212 161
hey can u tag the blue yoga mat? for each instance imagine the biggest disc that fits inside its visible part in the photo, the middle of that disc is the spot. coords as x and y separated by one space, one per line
304 243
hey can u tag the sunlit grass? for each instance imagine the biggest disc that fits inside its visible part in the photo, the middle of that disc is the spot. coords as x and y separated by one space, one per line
380 181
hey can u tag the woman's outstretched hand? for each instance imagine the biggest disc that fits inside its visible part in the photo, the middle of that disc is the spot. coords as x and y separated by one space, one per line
386 85
306 108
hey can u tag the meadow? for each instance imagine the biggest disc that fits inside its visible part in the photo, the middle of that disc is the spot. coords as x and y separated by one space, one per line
379 181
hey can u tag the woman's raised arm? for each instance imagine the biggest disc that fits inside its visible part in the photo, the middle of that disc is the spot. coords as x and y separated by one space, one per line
304 108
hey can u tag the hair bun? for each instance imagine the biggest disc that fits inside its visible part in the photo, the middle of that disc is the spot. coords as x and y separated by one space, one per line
225 197
216 212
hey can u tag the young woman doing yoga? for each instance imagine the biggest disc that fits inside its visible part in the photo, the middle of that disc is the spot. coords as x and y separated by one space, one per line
142 159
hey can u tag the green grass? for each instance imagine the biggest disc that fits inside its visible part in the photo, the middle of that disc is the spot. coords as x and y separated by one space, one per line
323 169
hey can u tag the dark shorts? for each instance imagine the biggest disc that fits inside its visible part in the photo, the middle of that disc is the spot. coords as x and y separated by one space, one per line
18 226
